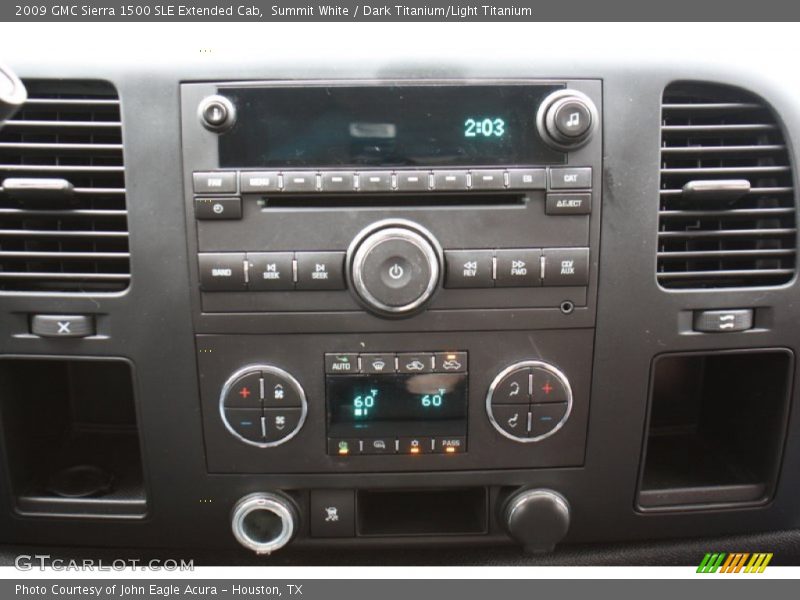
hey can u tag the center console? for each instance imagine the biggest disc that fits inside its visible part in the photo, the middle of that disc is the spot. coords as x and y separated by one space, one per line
393 277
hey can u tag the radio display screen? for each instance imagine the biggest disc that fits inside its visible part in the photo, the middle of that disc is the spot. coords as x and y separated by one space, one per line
386 126
433 403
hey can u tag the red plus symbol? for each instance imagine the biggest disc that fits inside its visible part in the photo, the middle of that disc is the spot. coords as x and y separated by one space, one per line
244 392
547 388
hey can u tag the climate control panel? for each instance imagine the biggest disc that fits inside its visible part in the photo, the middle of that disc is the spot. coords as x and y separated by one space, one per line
346 403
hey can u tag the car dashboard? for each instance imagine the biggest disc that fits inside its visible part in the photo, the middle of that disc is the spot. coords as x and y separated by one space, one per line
486 300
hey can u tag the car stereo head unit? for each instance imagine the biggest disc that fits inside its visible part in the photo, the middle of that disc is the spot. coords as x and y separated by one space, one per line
401 126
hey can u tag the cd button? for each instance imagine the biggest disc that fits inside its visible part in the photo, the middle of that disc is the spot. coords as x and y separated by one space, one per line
412 181
320 270
258 181
547 387
546 417
270 270
566 266
518 268
300 181
375 181
450 181
493 179
338 181
513 388
512 418
469 268
527 179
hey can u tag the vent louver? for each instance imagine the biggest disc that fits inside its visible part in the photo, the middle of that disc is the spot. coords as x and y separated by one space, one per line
63 221
727 216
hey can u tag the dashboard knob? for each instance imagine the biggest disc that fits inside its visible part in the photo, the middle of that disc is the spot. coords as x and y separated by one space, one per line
263 406
217 113
394 267
536 518
529 401
567 119
264 522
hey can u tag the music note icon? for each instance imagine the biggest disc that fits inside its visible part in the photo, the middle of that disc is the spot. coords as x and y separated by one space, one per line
574 120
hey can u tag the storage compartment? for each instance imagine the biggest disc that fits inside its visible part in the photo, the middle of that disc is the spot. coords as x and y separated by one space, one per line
70 437
716 428
422 512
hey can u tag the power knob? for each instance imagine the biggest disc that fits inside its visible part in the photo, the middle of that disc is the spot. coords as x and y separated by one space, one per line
536 518
394 267
217 113
567 119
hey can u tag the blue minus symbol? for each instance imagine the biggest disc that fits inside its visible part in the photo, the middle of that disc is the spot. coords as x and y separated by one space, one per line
245 423
545 418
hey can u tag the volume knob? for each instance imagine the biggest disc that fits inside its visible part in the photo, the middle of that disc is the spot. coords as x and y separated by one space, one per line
394 267
567 119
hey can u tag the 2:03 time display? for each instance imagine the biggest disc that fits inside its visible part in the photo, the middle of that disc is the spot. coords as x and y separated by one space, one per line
485 127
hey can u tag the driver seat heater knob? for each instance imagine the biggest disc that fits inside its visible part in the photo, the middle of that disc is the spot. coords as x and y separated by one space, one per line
537 518
394 267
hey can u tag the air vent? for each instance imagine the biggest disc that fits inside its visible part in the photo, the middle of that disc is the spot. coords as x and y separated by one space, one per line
727 215
63 222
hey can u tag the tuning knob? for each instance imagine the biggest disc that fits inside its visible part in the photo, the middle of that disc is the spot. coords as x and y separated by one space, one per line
567 119
537 518
394 267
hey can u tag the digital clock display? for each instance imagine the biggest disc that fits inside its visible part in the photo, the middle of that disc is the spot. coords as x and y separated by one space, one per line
386 126
379 404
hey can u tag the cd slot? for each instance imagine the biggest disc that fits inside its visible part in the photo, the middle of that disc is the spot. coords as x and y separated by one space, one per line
392 200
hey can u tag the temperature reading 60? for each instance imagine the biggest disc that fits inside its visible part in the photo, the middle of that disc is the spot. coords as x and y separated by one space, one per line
432 400
485 127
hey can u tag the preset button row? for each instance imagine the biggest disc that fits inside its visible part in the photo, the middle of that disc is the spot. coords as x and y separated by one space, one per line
447 180
518 267
271 271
